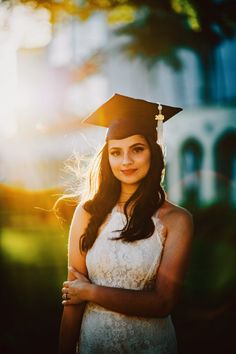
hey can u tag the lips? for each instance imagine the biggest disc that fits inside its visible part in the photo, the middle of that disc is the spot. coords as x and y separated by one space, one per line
129 171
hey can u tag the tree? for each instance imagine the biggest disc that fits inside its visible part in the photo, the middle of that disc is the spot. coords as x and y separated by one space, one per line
163 27
159 28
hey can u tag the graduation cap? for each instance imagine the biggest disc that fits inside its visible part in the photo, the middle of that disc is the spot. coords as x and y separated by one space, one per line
125 116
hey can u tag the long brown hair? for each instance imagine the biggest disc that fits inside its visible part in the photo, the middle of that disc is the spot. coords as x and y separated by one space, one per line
146 200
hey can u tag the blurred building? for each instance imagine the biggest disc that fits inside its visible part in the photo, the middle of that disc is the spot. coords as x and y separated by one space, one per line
81 68
201 155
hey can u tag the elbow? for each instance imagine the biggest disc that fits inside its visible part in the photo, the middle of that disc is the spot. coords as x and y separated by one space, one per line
164 307
163 310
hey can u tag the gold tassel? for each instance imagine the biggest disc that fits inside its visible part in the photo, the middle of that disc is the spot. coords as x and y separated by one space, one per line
160 118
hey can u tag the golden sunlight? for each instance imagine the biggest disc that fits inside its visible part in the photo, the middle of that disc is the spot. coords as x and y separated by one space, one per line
20 27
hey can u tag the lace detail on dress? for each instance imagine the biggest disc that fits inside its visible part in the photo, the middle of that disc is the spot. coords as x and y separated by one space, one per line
119 264
160 229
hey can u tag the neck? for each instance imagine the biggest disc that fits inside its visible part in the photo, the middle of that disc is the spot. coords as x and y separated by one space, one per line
126 191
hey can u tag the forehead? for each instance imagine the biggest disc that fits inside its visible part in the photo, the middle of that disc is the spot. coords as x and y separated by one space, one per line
126 142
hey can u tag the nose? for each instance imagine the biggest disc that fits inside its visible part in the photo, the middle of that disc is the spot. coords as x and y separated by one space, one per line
127 160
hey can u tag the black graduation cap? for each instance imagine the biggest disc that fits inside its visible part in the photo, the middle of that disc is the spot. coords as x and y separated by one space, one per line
125 116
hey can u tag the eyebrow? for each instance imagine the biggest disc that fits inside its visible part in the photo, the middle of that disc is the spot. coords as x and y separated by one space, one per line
131 146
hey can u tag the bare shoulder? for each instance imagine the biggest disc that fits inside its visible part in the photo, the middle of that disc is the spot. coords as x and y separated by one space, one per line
80 210
78 225
176 217
80 216
172 211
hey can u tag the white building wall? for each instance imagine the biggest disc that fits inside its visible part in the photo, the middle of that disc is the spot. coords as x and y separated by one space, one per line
206 125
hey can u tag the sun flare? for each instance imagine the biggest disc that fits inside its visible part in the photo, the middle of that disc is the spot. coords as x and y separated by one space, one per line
20 27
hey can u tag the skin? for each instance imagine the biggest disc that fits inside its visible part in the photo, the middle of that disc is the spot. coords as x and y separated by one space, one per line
129 154
178 229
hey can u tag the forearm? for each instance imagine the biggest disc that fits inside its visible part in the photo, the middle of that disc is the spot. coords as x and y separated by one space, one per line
129 302
70 328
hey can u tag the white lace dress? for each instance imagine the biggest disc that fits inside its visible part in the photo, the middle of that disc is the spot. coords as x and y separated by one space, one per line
130 266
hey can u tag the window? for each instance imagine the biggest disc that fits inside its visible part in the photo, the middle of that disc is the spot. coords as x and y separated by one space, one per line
191 163
225 166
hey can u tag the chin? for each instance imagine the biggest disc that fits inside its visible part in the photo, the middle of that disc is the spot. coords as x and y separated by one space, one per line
131 181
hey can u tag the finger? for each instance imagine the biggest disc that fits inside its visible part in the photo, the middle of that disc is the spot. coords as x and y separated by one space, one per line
66 284
66 302
71 302
65 290
66 297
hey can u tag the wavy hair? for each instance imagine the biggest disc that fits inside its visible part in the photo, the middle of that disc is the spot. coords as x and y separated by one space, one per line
105 188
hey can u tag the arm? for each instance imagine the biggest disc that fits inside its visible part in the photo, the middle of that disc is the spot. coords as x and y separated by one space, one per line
170 276
72 315
70 328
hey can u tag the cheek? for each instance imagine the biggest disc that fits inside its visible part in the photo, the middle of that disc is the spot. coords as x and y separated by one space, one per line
147 165
145 160
113 163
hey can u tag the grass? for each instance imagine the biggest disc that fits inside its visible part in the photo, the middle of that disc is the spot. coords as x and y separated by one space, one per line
41 247
33 267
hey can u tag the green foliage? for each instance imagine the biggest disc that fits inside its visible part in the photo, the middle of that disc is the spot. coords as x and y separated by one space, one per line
157 29
212 271
163 27
44 246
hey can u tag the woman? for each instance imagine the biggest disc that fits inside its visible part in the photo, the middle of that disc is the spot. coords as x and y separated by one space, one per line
128 245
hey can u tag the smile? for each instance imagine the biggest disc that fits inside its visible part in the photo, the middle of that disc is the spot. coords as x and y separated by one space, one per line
129 171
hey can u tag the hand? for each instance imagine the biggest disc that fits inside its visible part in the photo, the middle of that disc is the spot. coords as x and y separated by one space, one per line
73 292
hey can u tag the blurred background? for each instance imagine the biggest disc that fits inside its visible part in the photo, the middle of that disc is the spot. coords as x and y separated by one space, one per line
59 60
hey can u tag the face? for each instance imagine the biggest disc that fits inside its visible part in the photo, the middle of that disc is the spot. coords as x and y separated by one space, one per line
129 159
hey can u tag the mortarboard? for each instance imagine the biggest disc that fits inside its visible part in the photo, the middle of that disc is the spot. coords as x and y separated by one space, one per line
125 116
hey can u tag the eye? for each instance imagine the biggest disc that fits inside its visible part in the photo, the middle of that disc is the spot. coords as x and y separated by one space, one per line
115 153
138 149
